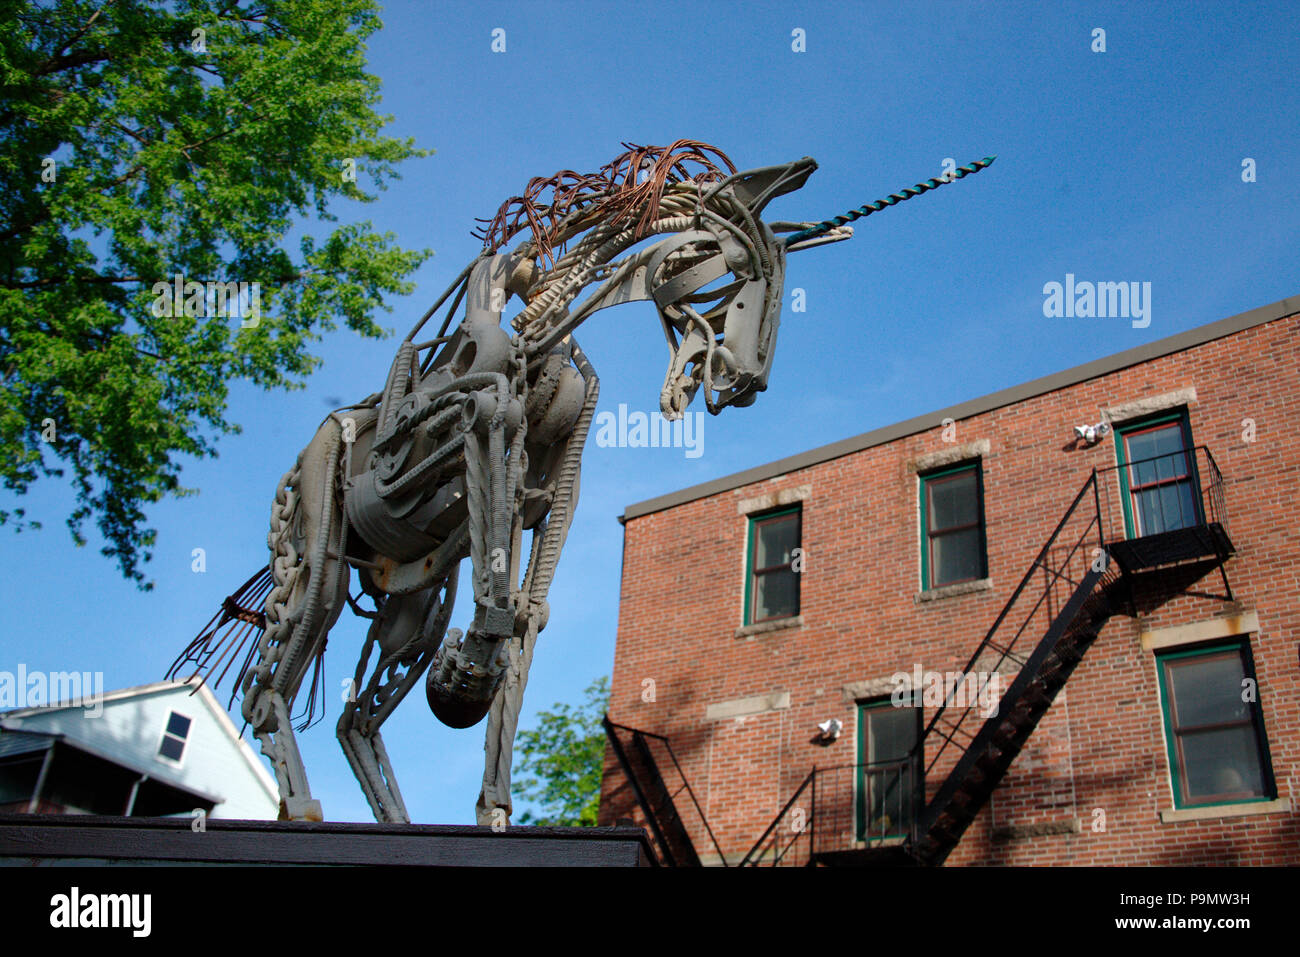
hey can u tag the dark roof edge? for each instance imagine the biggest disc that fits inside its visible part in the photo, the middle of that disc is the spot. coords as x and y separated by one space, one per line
1027 390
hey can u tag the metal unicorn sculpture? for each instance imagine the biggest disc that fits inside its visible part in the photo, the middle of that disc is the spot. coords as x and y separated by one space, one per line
476 438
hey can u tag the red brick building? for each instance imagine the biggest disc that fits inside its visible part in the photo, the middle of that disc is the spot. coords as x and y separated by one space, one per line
1040 647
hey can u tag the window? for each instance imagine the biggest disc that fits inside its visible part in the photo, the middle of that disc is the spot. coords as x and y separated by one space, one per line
888 785
952 526
1213 726
172 745
772 584
1159 483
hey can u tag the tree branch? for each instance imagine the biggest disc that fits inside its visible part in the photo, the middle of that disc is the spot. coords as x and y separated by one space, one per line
60 280
58 62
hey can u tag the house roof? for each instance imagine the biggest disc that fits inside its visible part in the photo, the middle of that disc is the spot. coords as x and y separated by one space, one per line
106 698
200 691
24 742
995 400
14 742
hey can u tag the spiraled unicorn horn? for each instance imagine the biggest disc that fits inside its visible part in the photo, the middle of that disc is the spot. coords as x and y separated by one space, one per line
892 199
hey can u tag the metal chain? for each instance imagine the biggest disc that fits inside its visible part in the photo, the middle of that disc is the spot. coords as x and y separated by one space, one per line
285 566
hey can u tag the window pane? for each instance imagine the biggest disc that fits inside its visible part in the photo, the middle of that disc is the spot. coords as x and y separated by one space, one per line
889 802
1165 507
171 747
1170 467
955 557
1178 505
1159 454
776 540
1158 441
1208 691
1222 762
1146 506
891 734
776 595
954 500
1144 473
178 725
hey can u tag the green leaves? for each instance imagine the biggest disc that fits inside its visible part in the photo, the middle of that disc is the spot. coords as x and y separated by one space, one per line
564 755
145 140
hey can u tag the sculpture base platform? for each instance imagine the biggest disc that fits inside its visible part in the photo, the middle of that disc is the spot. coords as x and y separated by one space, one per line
86 840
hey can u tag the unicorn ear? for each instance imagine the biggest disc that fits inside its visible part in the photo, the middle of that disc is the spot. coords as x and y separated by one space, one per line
758 187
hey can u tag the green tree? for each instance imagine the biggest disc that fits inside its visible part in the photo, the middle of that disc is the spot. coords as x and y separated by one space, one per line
565 755
143 140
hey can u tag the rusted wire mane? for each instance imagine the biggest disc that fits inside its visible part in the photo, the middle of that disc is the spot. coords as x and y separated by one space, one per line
618 190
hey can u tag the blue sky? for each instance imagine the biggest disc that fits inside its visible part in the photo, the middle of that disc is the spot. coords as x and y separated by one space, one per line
1117 166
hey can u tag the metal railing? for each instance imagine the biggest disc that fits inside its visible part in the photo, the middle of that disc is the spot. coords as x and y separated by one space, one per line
842 808
657 796
1163 493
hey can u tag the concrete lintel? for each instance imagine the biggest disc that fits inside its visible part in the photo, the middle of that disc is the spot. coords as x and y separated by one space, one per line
761 503
950 456
855 691
740 707
1021 832
1228 626
1148 405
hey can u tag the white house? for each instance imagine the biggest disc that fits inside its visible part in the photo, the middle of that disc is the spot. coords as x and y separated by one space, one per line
153 750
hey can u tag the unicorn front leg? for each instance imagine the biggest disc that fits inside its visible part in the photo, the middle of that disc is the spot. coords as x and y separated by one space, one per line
466 673
494 806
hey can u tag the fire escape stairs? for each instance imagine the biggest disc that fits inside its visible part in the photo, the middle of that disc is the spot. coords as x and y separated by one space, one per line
1002 737
657 799
1101 575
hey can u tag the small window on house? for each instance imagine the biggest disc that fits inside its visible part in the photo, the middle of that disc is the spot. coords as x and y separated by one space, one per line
1213 726
952 526
1159 480
174 737
772 582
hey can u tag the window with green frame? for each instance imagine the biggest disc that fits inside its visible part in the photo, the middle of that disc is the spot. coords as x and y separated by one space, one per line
1214 729
888 779
1158 480
771 573
953 547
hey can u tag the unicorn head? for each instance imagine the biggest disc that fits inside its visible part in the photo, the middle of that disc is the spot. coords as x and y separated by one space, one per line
716 278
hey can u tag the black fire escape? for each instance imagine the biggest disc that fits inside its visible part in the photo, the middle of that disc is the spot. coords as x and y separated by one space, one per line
1174 530
658 782
1134 532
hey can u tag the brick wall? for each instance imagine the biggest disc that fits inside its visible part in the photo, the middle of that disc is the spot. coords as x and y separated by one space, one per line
1102 745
